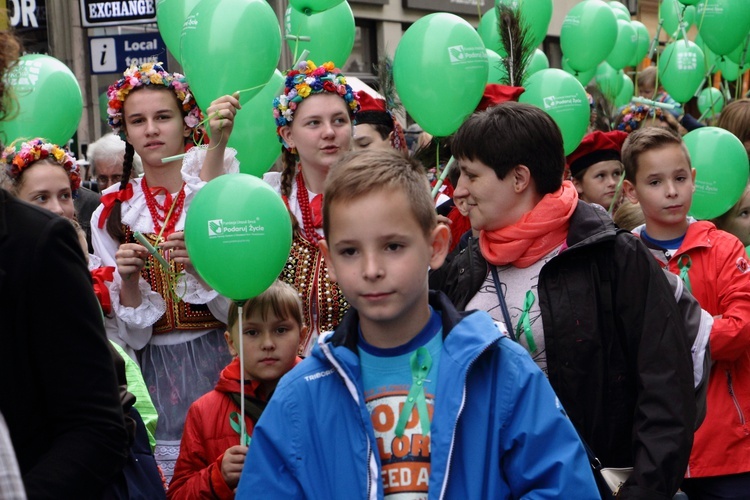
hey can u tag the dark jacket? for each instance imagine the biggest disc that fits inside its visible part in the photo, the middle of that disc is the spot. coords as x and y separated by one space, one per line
58 391
617 351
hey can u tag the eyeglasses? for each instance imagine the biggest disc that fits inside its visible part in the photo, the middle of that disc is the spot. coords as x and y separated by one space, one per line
104 181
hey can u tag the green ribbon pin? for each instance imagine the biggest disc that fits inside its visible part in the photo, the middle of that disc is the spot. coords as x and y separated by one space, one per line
234 421
524 323
421 363
683 264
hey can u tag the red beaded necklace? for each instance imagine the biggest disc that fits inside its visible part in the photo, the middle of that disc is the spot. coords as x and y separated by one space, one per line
169 212
303 198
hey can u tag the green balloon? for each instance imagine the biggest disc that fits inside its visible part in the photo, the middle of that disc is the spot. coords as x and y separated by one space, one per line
626 92
721 165
743 47
331 34
709 57
644 42
537 62
313 6
674 15
625 46
488 32
244 55
689 2
582 76
103 105
48 101
254 134
730 70
682 68
445 45
621 12
588 34
562 97
238 234
609 80
710 102
535 15
497 72
170 16
724 24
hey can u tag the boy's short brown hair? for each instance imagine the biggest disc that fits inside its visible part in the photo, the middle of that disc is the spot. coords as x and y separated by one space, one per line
643 140
363 172
280 298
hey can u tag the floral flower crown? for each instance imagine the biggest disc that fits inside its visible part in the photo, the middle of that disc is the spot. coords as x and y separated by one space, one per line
146 75
16 161
632 115
308 79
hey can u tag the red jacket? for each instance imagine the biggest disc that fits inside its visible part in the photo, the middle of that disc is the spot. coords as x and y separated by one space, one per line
205 438
720 282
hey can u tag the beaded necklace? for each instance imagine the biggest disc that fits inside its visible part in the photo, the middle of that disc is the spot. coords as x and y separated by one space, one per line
303 198
168 213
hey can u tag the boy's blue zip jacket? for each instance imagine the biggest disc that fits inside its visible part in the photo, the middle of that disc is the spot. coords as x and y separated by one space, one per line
498 430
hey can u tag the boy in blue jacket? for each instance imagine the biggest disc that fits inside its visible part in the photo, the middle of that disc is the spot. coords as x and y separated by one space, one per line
408 398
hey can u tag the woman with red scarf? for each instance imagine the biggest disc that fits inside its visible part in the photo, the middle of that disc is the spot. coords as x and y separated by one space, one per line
589 303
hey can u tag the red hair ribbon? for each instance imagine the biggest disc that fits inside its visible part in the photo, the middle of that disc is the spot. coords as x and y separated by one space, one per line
108 200
99 276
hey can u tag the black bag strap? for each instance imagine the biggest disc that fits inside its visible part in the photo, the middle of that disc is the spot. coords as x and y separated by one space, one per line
503 305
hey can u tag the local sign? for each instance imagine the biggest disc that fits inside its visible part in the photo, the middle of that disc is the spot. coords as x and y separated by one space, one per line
115 54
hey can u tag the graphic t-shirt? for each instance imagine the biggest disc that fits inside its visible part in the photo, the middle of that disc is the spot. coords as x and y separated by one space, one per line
387 378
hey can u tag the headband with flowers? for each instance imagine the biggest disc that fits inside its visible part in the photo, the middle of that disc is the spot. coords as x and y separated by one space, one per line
150 74
16 161
632 115
305 80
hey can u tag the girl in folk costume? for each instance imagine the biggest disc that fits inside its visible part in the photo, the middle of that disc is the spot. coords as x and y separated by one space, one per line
314 117
175 324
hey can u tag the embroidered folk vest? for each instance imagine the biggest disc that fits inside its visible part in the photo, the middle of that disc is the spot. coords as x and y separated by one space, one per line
179 314
306 271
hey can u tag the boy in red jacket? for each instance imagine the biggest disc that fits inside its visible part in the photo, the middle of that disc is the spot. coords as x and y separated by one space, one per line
713 264
211 454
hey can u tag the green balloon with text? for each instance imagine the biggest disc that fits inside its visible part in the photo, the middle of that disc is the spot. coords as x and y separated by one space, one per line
721 166
562 97
238 235
681 69
588 34
450 49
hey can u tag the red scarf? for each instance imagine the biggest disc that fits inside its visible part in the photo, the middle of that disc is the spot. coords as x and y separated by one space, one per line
536 234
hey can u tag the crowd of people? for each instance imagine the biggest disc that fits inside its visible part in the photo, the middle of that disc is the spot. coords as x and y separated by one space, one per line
563 318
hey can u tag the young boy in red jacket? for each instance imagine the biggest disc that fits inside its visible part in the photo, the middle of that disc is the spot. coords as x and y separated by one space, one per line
211 453
713 264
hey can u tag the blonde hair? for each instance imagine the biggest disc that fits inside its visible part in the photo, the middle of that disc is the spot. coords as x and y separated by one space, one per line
629 216
280 298
647 77
735 117
360 173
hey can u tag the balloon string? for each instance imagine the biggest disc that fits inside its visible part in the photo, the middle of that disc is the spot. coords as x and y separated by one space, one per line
242 374
443 176
618 191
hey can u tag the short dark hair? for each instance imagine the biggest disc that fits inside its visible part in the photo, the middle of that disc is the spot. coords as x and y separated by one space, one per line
512 134
643 140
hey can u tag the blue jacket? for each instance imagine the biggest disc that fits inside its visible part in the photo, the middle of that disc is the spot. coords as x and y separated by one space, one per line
498 430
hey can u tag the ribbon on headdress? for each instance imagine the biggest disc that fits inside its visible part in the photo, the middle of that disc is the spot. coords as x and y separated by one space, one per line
99 276
108 200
